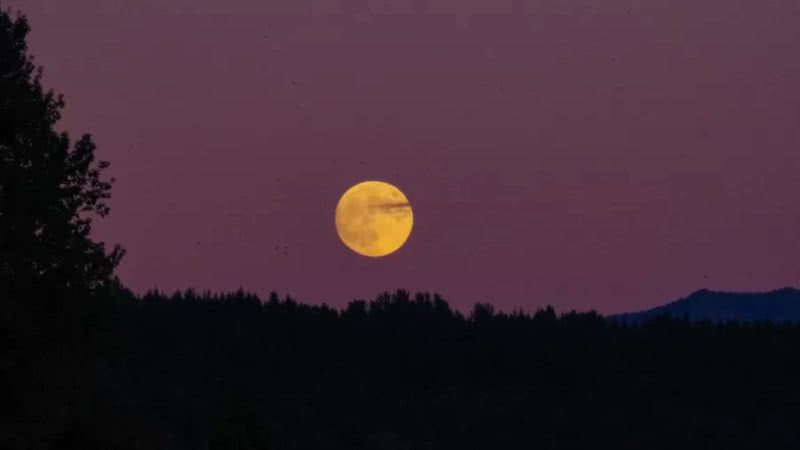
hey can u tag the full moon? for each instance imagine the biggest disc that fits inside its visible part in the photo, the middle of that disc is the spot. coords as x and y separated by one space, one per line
374 218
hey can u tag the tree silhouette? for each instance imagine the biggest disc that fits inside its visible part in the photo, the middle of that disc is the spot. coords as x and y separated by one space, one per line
49 189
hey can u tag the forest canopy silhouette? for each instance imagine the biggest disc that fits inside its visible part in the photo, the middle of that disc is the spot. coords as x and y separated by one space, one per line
50 187
87 364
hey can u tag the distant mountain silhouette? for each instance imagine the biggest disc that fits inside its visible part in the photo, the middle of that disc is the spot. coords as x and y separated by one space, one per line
782 305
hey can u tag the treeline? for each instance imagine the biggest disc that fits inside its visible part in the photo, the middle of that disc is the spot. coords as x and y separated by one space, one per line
403 371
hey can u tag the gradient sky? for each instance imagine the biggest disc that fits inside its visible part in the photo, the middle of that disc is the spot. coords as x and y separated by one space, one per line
610 154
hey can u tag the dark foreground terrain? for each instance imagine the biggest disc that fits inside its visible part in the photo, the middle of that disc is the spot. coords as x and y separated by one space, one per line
400 372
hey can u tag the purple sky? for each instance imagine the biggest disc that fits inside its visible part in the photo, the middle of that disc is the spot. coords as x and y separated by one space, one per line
607 154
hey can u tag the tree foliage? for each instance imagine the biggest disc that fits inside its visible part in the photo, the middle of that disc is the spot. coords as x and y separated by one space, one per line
50 188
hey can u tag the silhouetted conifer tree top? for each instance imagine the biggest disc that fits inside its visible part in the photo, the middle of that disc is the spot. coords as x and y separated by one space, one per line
49 188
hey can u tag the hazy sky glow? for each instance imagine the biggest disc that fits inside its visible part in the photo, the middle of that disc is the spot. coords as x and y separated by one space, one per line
590 154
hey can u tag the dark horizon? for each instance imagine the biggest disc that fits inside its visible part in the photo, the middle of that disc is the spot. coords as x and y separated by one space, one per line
606 156
692 303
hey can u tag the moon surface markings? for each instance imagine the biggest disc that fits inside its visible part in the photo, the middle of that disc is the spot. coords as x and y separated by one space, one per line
374 218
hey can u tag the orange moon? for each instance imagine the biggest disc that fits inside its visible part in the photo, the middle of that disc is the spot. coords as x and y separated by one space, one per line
374 218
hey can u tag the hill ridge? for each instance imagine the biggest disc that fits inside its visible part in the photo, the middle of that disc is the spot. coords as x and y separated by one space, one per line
778 305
